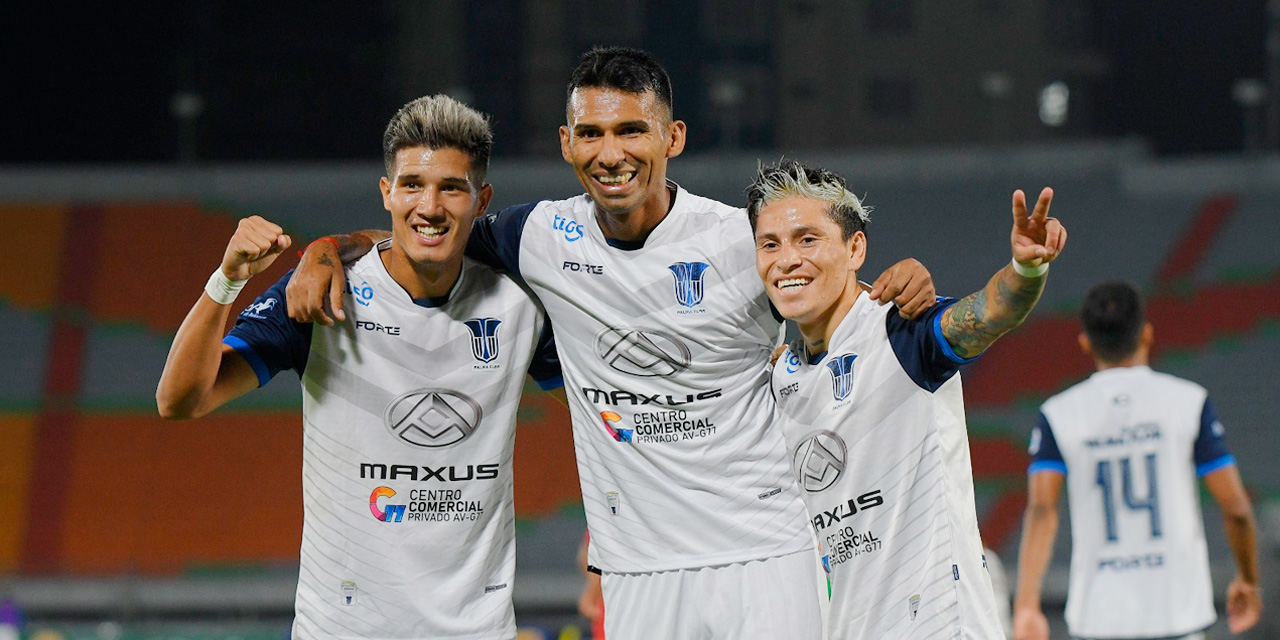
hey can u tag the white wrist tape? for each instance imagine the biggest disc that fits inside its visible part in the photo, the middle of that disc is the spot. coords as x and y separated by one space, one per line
221 289
1030 272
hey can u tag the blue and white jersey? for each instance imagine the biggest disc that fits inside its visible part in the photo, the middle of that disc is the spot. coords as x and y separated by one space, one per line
876 430
1131 443
409 412
665 348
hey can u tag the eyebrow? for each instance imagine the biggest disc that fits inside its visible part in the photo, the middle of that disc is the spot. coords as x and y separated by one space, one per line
621 125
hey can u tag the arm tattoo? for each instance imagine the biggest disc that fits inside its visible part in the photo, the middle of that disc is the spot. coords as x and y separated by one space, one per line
975 322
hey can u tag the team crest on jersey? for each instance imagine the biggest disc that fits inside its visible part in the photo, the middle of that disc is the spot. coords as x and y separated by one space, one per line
819 460
433 418
642 352
484 338
841 369
688 277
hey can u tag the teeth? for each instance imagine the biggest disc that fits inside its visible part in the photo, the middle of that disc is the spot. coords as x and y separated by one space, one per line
618 179
430 231
793 282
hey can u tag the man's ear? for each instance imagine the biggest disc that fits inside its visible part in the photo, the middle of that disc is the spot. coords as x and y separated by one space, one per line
384 185
1085 345
566 137
857 247
486 195
676 135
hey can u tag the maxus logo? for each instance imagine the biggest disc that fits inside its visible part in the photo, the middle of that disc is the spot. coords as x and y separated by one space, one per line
841 368
610 419
393 512
642 352
432 417
819 460
363 293
259 308
688 276
572 230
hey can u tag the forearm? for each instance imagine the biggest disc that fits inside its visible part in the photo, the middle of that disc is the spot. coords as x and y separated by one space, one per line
1242 538
353 246
1039 528
978 320
191 369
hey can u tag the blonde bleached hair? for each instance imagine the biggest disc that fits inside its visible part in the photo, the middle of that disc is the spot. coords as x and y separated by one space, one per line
439 122
792 178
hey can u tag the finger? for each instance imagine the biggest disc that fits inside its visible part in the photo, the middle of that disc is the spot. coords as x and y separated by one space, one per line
877 287
890 286
917 305
1041 211
281 243
336 285
1019 208
1062 237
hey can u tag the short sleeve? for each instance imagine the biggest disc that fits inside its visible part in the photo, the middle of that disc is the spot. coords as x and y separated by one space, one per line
1210 450
1045 455
922 350
545 367
495 238
267 338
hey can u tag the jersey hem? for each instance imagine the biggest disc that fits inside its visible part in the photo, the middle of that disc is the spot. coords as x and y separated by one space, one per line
705 562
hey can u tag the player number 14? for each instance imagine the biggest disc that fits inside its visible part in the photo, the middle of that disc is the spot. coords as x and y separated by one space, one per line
1151 504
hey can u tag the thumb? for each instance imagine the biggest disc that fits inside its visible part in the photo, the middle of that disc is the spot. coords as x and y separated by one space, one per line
336 285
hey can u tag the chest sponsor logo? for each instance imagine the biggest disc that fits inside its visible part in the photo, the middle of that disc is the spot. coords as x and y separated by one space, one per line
432 417
363 293
375 327
573 231
792 361
424 505
582 267
819 460
484 338
259 309
642 352
611 421
841 369
689 282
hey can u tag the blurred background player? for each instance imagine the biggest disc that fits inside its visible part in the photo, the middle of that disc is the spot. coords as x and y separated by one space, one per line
1130 443
873 413
409 411
665 335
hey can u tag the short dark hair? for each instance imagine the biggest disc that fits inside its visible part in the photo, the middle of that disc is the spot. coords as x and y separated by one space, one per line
439 122
623 69
790 178
1113 317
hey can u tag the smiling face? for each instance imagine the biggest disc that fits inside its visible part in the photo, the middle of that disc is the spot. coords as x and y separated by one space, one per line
618 144
809 272
433 201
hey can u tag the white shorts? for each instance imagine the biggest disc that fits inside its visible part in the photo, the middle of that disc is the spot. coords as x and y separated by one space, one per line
756 600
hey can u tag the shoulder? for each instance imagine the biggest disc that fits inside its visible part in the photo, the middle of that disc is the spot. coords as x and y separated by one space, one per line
1180 386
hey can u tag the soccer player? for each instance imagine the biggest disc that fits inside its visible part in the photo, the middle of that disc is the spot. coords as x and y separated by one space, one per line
1129 442
664 334
872 409
408 410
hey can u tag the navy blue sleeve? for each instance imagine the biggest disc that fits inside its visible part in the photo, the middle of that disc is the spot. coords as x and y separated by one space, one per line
1045 455
267 338
545 367
495 238
1211 451
922 350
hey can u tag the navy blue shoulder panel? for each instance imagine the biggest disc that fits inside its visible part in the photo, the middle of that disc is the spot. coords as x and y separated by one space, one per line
1045 455
545 367
921 348
267 338
495 238
1210 452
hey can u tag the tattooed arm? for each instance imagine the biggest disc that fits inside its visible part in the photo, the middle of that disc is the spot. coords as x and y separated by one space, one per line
975 322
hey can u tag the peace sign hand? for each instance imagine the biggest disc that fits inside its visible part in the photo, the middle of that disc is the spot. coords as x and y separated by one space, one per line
1037 238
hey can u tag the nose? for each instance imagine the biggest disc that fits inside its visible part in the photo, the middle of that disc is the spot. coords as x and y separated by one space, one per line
788 257
429 203
611 153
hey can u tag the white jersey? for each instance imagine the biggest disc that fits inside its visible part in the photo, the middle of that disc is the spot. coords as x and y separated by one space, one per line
876 430
409 422
665 348
1131 442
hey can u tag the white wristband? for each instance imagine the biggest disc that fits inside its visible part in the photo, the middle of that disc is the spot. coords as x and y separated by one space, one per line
221 289
1030 272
